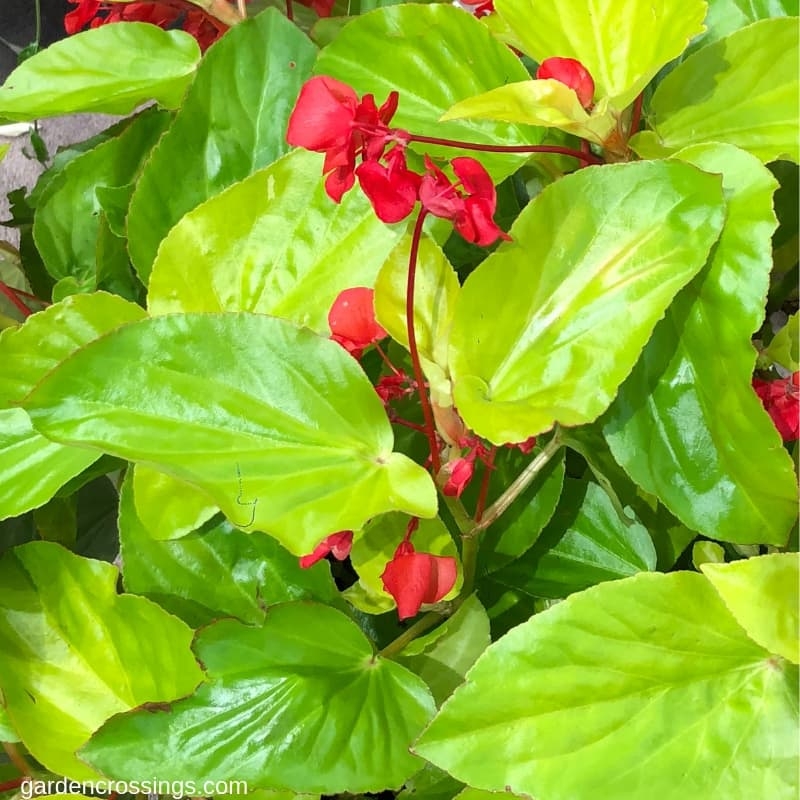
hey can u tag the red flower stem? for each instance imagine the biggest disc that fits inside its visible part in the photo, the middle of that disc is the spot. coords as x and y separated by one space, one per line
587 158
488 466
427 411
15 783
12 296
27 295
408 424
636 115
385 358
289 11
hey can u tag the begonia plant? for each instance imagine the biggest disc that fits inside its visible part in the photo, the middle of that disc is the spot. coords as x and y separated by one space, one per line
402 399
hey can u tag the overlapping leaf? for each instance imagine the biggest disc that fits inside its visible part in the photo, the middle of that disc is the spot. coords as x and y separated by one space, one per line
274 243
299 703
218 572
622 44
74 652
741 90
399 39
550 324
686 424
111 69
278 425
231 123
645 685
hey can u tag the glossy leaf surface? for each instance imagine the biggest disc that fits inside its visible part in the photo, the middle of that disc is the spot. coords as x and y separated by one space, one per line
686 424
653 667
279 426
550 324
586 542
72 651
111 69
217 572
762 593
231 123
307 664
741 90
622 44
399 39
274 243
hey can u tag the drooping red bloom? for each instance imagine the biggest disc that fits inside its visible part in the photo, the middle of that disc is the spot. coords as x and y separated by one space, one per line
571 73
525 447
391 186
339 544
393 387
459 473
413 578
352 320
478 8
163 13
329 118
471 210
781 399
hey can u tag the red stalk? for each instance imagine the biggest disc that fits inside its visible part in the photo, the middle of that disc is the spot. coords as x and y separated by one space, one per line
427 411
483 494
12 296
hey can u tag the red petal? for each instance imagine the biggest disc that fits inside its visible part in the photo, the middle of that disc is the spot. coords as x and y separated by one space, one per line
340 544
416 578
323 114
437 193
352 318
571 73
476 225
460 472
393 194
339 182
78 17
474 178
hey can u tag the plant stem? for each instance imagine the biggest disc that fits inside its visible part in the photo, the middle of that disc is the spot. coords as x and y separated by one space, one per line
17 759
484 490
12 296
587 158
427 411
522 481
408 636
37 5
636 115
289 11
15 783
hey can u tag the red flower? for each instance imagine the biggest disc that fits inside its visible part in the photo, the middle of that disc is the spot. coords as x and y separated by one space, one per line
337 543
163 13
525 447
781 399
413 578
479 8
459 474
393 387
322 8
392 189
352 320
571 73
471 211
329 118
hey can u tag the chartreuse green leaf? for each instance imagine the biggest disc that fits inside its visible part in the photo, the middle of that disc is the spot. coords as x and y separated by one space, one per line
443 657
548 103
169 508
72 651
399 39
278 425
32 468
727 16
7 732
84 72
430 783
218 572
373 548
646 685
232 122
622 44
69 216
548 326
435 293
586 542
273 244
762 593
300 703
784 349
690 397
741 90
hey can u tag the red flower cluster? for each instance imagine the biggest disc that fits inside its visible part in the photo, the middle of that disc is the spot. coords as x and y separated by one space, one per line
355 134
571 73
163 13
352 320
339 544
781 399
